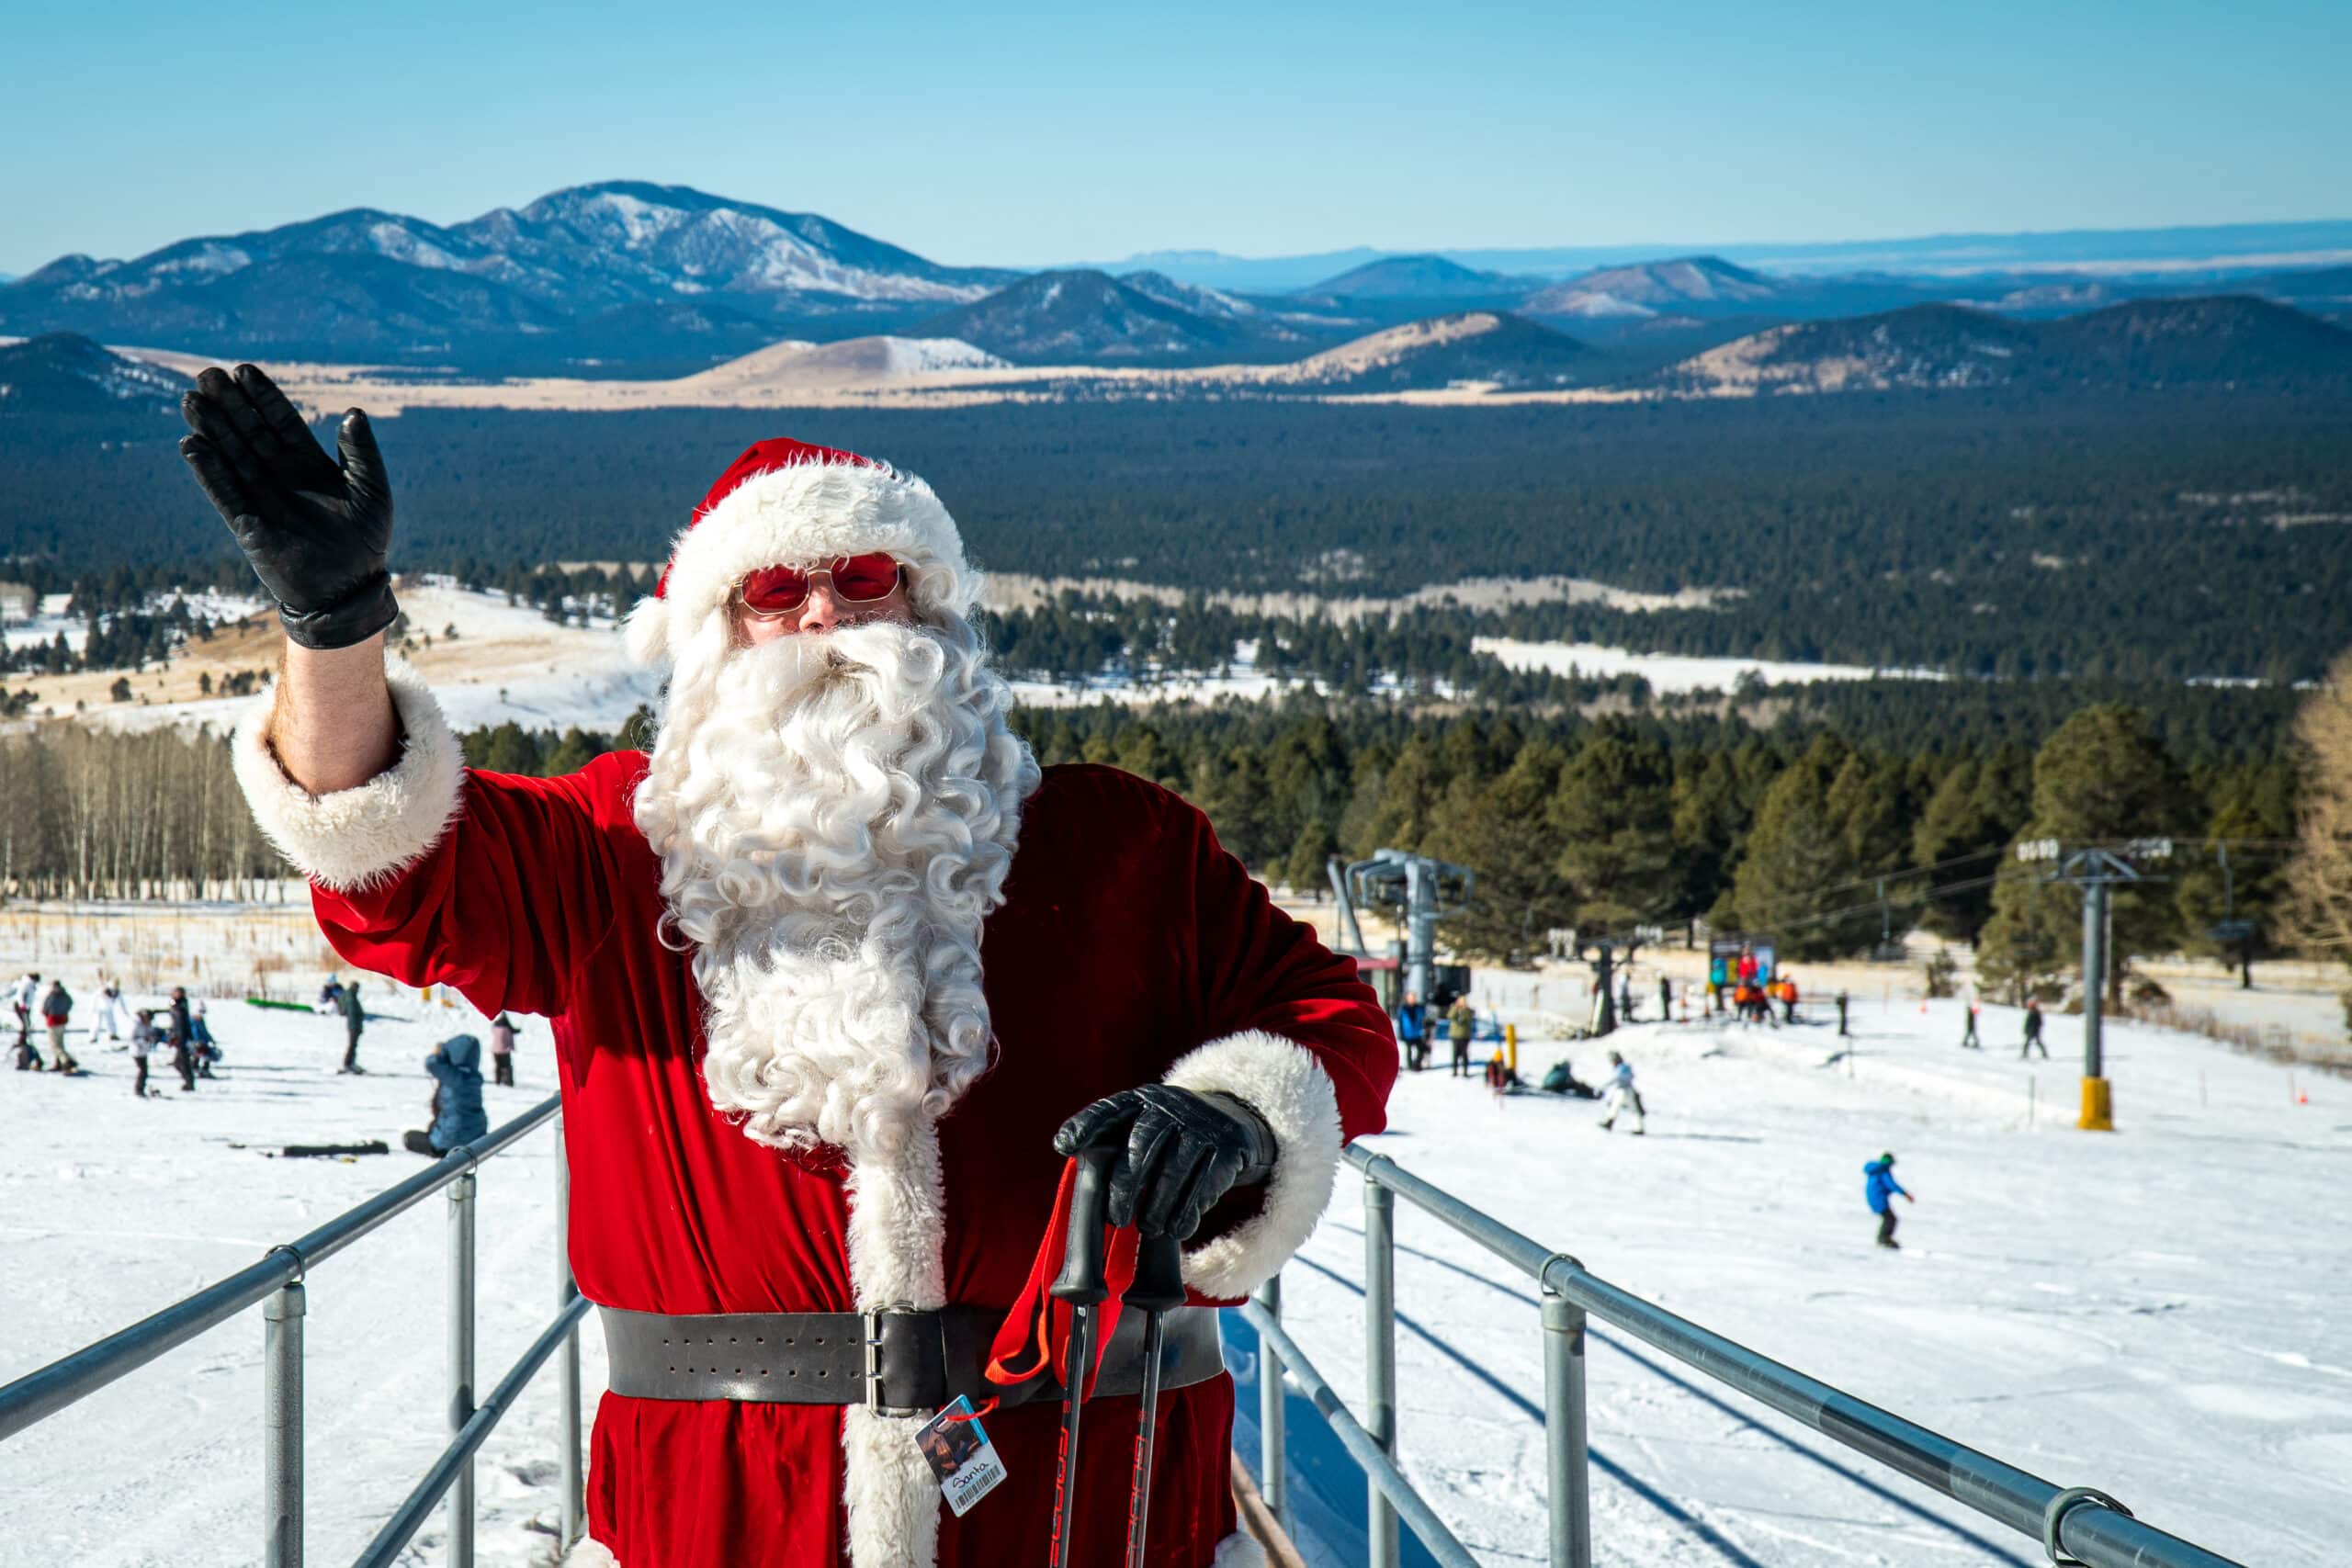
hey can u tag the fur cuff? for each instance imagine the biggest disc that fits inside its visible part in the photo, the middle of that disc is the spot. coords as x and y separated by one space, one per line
590 1553
1284 1084
350 839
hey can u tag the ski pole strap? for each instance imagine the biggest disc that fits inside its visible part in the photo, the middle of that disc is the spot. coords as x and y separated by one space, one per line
1034 1341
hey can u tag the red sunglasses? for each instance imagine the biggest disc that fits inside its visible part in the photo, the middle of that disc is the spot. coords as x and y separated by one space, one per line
856 579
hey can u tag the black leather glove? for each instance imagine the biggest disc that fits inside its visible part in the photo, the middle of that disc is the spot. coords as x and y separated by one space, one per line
1181 1153
316 532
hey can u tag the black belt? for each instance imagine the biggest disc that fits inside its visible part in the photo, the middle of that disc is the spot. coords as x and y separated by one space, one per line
896 1362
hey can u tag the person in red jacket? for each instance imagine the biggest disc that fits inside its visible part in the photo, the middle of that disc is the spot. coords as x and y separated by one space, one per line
830 970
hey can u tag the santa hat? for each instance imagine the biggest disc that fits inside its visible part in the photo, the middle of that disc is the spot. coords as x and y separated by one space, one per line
786 502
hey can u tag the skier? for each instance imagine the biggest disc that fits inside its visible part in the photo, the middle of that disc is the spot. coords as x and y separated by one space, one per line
502 1048
1968 1039
142 1042
790 1084
355 1018
2032 1031
458 1116
1621 1096
1412 1034
1459 1022
56 1010
1879 1191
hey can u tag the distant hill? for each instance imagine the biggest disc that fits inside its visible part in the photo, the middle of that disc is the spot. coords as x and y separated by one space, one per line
619 267
1419 278
2229 341
65 373
1648 288
1090 318
1511 354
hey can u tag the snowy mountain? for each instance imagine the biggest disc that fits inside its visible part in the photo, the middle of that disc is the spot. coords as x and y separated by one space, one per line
1091 317
1420 277
64 373
620 267
2227 341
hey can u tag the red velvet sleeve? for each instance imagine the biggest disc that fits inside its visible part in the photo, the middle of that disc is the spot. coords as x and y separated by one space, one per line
1258 968
515 897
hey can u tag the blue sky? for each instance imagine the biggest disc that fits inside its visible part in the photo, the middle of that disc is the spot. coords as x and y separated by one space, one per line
1031 134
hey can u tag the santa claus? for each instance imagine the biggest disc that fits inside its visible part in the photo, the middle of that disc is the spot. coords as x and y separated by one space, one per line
838 975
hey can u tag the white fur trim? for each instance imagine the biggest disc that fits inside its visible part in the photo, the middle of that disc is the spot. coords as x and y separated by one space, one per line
1238 1551
1284 1083
590 1553
802 515
352 838
898 1229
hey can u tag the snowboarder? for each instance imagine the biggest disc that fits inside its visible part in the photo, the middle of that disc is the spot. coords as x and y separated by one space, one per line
1968 1039
1412 1034
143 1043
1879 1191
2032 1031
200 1042
1561 1079
1460 1020
355 1018
790 1085
502 1048
458 1115
1621 1096
56 1010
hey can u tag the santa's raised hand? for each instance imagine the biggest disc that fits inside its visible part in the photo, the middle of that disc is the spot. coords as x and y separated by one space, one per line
316 531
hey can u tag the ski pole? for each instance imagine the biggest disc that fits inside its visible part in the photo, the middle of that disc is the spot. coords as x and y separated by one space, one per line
1081 1285
1159 1289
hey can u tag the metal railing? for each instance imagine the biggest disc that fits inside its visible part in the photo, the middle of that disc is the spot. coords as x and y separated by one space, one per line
2073 1525
277 1282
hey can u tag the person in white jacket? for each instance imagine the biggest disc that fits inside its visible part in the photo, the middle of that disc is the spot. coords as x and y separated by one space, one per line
110 1019
1621 1096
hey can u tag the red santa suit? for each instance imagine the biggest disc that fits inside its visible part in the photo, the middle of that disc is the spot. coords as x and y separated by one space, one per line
1129 947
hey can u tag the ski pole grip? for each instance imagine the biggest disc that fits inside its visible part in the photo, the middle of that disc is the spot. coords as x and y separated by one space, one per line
1160 1276
1082 1283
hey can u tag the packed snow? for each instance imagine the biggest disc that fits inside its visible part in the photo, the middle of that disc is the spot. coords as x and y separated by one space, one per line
2155 1312
1673 672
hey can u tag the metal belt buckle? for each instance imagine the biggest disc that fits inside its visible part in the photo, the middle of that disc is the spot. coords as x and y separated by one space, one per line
874 1316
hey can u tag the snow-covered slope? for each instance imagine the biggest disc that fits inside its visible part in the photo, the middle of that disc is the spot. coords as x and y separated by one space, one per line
2155 1312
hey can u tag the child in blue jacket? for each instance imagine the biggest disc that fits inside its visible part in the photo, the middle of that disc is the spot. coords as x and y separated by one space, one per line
457 1117
1879 1191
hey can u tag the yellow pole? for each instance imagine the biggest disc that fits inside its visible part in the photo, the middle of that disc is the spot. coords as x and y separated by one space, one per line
2098 1106
1510 1044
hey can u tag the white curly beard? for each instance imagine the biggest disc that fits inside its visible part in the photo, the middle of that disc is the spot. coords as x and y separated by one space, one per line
835 817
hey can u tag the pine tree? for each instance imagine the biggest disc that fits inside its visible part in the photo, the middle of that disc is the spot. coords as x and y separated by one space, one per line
1795 884
1614 813
2099 779
1501 830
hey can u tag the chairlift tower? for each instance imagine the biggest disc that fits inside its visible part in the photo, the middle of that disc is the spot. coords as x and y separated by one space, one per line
1416 891
2095 870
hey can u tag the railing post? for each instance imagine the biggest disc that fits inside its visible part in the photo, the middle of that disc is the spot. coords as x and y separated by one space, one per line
1272 1478
461 1363
1566 1455
1380 1360
281 1421
574 1491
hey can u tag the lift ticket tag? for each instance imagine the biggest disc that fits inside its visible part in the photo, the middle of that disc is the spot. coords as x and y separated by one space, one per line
960 1454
